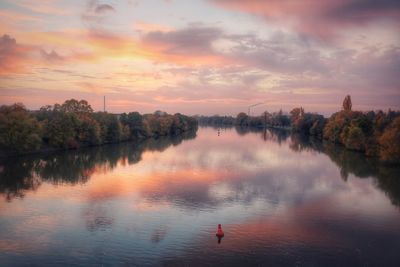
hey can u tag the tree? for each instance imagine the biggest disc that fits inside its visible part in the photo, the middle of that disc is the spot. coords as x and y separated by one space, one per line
296 114
355 138
347 103
390 142
256 121
110 127
75 106
44 113
135 123
19 131
61 130
307 123
89 131
267 118
153 125
242 119
278 119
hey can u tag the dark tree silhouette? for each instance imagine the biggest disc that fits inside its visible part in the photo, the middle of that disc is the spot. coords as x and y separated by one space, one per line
347 103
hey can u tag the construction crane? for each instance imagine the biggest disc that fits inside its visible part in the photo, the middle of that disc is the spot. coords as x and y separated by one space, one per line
252 106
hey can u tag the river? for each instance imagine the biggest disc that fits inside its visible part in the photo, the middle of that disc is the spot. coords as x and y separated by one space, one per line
282 200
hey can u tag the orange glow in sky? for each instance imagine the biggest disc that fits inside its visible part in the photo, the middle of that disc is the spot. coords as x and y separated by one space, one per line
207 57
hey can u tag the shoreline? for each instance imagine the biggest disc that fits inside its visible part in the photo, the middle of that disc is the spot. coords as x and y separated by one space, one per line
292 132
51 150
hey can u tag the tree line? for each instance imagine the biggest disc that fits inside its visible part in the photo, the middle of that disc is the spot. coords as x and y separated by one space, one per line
374 133
74 124
275 119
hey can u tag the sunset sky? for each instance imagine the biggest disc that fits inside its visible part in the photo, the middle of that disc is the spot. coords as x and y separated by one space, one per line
201 56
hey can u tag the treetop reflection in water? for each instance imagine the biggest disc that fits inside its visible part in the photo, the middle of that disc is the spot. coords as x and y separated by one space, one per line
281 199
20 174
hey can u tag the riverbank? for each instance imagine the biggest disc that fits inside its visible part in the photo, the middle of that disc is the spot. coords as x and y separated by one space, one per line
373 133
74 125
166 195
50 151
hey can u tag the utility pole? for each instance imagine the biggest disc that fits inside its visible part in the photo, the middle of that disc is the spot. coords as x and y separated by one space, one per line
104 104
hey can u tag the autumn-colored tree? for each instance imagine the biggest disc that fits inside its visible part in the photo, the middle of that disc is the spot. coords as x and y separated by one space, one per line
307 123
381 121
183 123
355 138
390 142
349 128
296 114
74 124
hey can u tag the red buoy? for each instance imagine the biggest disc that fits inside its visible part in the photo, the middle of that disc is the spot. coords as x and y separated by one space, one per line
219 233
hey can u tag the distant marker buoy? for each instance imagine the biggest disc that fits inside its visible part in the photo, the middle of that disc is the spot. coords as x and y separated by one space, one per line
220 233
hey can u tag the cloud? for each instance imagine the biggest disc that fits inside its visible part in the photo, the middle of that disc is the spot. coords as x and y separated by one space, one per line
203 68
282 53
191 45
192 40
104 8
52 56
13 56
95 13
198 45
356 11
23 58
320 19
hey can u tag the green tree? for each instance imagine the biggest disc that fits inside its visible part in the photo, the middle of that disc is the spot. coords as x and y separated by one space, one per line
19 131
135 123
110 127
89 131
61 130
355 138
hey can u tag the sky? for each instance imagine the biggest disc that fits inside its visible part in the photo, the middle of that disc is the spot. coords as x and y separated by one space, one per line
201 56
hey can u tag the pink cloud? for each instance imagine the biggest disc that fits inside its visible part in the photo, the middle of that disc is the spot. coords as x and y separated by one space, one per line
13 57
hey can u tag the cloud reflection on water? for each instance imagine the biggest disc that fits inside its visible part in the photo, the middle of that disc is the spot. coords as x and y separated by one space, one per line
267 189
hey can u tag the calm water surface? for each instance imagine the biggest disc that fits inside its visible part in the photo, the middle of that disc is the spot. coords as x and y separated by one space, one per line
282 201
